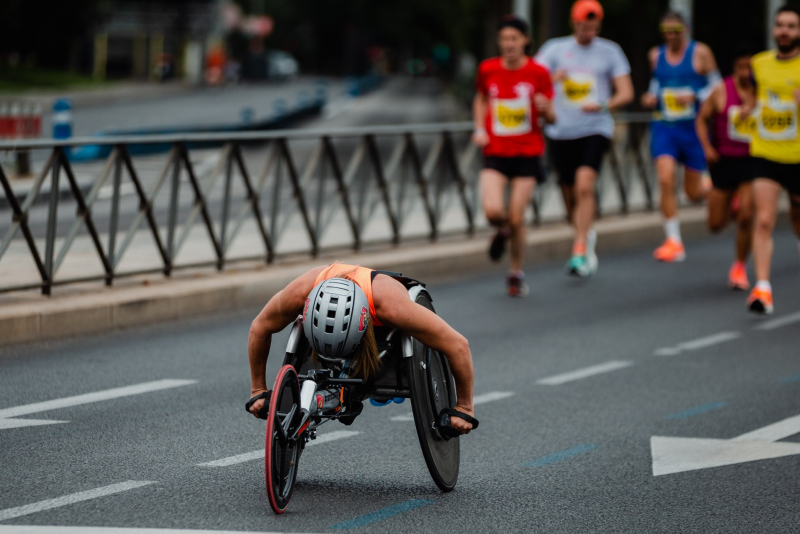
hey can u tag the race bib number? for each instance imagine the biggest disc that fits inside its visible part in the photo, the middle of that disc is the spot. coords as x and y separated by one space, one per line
741 129
579 89
671 107
778 120
511 116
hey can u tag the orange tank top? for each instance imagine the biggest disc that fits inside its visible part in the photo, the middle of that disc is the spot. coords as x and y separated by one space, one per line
361 276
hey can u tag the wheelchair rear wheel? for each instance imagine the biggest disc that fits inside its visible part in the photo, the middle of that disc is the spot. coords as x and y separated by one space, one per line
433 389
282 450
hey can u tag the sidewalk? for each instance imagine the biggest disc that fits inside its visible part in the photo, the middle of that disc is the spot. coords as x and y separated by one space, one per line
90 308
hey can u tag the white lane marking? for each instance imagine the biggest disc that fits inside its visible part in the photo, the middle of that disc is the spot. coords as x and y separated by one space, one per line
774 432
5 424
478 399
696 344
19 511
675 455
772 324
259 454
586 372
87 398
28 529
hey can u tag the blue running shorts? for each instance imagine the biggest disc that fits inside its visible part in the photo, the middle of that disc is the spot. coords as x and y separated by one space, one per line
679 141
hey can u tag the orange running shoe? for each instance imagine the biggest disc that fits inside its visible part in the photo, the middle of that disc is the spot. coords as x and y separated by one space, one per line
737 277
671 251
760 301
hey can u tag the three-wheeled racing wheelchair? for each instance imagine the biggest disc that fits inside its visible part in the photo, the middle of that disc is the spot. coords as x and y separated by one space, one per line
311 390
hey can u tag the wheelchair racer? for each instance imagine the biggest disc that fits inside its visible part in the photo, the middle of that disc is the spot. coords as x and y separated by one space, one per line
341 304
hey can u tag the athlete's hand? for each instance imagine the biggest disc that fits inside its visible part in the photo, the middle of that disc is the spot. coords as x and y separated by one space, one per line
559 76
685 100
592 107
712 156
480 138
541 102
458 423
745 111
649 100
797 96
257 405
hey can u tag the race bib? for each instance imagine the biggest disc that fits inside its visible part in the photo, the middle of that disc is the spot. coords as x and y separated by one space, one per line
579 89
511 116
778 120
741 129
671 108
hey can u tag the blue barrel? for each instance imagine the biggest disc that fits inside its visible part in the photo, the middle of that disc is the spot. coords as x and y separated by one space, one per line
62 119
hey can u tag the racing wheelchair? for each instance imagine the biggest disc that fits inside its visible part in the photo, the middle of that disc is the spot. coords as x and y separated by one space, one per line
311 390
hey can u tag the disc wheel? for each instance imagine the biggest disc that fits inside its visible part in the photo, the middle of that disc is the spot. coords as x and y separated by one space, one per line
432 389
281 454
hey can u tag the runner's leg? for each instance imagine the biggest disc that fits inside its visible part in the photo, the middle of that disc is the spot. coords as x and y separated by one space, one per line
719 202
693 185
568 194
744 221
665 167
521 192
585 205
493 193
765 194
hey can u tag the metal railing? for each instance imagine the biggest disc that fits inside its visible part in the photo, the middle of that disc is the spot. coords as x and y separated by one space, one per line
385 172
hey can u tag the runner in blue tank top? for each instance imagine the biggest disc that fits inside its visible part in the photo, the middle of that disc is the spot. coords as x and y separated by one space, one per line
684 73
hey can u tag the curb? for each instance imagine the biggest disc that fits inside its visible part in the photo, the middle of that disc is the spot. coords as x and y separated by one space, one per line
168 300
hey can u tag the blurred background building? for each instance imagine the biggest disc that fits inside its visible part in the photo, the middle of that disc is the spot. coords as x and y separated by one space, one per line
216 41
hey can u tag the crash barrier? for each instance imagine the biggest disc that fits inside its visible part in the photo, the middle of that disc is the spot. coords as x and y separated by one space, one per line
296 192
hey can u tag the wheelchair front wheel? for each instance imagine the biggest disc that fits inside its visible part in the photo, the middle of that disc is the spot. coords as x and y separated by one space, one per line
433 389
282 449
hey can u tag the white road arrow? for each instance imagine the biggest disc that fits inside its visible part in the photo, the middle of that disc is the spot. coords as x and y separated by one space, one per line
675 455
77 400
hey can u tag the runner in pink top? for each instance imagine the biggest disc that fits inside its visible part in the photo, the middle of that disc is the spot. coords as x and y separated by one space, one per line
728 157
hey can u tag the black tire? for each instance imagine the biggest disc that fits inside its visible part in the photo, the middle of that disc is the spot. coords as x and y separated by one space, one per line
281 455
433 388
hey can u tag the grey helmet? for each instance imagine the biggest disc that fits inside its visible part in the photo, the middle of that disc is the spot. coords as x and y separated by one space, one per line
335 317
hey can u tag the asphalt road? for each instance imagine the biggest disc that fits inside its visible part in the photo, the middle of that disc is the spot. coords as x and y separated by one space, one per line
663 350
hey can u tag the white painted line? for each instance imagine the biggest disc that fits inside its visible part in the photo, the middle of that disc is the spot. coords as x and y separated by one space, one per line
477 399
774 432
586 372
19 511
97 396
772 324
28 529
259 454
675 455
696 344
5 424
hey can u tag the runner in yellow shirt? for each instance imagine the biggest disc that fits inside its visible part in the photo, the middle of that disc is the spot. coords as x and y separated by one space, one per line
775 146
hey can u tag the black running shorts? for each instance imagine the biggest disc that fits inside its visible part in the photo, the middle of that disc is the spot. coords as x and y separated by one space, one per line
729 173
786 174
569 154
516 167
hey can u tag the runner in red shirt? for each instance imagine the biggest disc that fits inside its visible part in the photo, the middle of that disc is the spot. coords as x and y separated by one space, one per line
513 91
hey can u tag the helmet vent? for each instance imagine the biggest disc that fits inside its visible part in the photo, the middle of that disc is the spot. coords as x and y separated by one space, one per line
331 314
334 300
344 327
329 329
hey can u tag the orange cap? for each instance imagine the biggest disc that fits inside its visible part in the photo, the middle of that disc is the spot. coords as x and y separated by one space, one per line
584 10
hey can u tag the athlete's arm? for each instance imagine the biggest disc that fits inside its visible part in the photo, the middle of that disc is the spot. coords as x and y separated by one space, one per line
543 98
394 307
710 107
480 106
280 311
623 93
706 64
650 98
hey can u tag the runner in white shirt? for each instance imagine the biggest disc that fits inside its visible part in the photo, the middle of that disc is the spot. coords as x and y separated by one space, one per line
591 77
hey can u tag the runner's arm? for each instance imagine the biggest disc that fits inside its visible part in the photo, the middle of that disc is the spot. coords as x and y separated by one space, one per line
710 107
395 308
623 93
650 98
480 105
706 65
280 311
